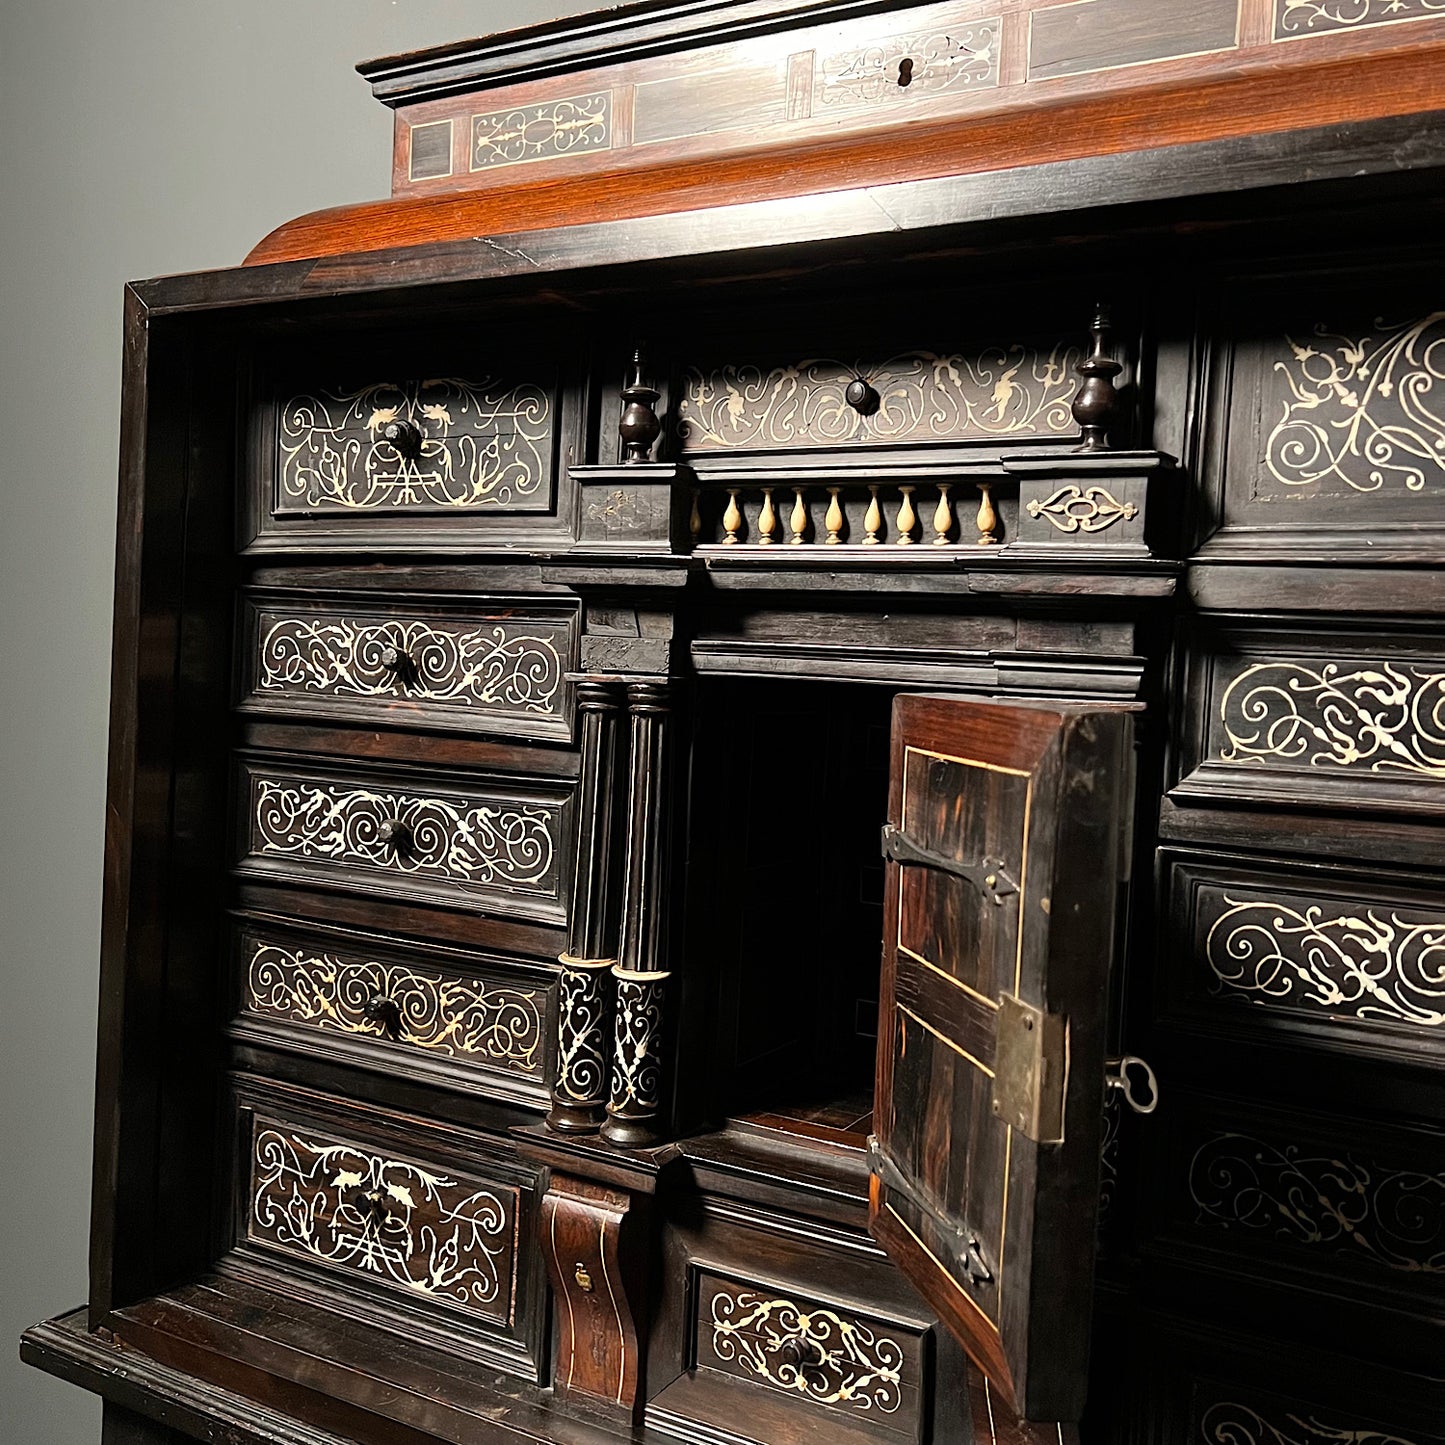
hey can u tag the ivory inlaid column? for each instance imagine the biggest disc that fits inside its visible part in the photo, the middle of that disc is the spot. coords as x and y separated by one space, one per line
584 1015
636 1082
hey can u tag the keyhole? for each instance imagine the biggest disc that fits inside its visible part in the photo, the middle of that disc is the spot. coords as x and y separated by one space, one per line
905 71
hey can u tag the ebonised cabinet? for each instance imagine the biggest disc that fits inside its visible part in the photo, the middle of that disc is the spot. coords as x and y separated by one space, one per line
814 819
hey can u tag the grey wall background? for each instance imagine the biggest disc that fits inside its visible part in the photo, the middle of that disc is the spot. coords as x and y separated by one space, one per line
140 137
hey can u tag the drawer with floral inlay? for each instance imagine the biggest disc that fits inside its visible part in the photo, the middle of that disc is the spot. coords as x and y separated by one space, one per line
477 665
455 1018
421 1229
484 843
405 451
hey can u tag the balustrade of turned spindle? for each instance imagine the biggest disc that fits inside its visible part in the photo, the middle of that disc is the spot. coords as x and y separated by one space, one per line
752 515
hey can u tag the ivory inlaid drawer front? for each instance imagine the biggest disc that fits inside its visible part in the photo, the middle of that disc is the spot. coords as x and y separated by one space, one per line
832 1357
480 666
1319 717
422 1006
1325 955
497 842
430 1232
393 445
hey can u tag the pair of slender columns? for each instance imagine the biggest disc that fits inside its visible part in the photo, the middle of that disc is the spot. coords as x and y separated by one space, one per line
609 1030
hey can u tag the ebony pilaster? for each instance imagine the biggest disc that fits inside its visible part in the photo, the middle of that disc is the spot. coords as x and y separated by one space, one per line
641 979
579 1095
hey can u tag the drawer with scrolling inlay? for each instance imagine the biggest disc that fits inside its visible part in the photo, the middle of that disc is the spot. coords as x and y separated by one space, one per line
477 665
429 1225
439 1015
834 1357
490 843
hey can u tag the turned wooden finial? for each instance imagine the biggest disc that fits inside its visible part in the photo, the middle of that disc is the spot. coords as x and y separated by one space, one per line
638 426
1096 404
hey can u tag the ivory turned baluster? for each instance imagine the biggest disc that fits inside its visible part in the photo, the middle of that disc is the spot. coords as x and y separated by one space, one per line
732 519
834 518
798 521
987 519
873 521
942 516
767 520
907 518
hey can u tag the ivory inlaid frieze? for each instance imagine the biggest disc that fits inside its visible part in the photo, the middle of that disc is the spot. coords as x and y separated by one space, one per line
469 446
494 667
963 58
1361 412
1007 391
1372 718
493 842
1231 1422
577 125
1366 963
436 1236
813 1352
1332 1202
1319 17
481 1020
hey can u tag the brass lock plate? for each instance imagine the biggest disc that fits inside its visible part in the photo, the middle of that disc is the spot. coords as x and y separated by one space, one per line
1031 1069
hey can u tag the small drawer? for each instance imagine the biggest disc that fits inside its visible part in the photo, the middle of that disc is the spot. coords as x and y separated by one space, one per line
419 448
431 1225
480 665
496 844
828 1355
1312 718
434 1014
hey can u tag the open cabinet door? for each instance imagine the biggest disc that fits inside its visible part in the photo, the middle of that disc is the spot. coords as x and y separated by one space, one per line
1006 847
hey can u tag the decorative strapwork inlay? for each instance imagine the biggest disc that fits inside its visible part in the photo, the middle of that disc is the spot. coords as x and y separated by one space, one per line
636 1086
439 1237
501 667
1381 718
899 67
1003 391
542 132
417 446
1366 963
1328 1201
495 843
1316 17
478 1020
813 1352
1072 508
1362 412
1231 1422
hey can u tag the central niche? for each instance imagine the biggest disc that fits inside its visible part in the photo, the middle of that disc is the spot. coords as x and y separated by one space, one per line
784 918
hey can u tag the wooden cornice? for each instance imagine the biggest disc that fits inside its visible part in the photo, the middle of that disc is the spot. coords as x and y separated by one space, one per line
1181 112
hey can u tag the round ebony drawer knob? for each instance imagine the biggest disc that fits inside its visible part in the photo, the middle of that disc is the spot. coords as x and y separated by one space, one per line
372 1205
800 1353
393 659
380 1009
405 436
394 834
862 397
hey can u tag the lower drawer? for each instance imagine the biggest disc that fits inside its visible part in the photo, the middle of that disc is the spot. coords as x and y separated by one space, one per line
426 1230
773 1328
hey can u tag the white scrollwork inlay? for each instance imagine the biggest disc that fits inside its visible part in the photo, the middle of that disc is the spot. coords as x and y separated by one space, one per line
1379 719
437 1236
1002 391
1369 964
465 1018
636 1068
573 126
496 667
1072 508
1305 17
480 445
582 1035
812 1351
1395 1218
902 66
500 844
1231 1423
1363 410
